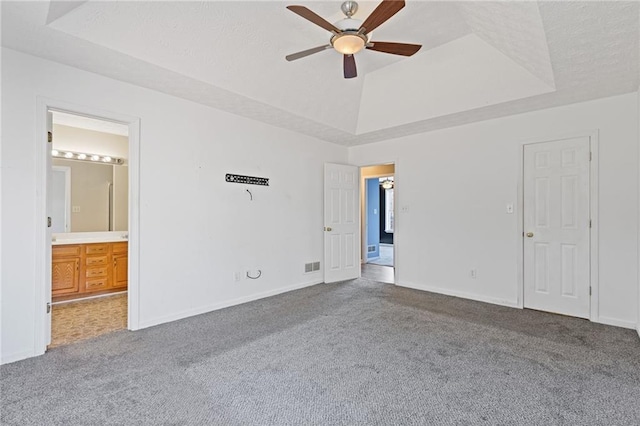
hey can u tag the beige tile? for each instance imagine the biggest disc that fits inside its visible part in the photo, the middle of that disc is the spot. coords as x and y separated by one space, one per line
83 319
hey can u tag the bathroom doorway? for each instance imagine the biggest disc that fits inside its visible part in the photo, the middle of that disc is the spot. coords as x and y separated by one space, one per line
88 197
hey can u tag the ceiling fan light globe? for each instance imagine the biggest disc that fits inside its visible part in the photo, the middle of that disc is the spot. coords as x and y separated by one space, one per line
348 44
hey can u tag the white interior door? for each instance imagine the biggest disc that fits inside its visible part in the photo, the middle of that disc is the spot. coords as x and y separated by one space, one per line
341 225
557 227
49 178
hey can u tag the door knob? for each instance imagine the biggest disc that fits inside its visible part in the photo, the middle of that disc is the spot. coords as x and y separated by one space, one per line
529 234
327 228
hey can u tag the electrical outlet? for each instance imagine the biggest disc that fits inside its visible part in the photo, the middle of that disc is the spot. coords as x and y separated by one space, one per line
473 273
75 209
509 208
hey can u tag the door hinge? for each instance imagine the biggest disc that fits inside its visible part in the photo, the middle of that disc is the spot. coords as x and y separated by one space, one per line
589 291
590 225
48 307
49 222
590 156
49 137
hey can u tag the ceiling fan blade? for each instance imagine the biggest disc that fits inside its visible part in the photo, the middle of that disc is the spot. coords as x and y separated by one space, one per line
307 52
403 49
350 66
379 16
313 17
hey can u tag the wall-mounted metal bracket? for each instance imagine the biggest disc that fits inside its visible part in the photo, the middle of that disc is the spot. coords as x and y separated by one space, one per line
249 180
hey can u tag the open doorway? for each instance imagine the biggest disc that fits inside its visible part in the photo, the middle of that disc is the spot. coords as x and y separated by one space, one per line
378 222
89 210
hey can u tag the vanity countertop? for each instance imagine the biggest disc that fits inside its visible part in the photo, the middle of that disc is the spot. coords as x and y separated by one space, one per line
89 237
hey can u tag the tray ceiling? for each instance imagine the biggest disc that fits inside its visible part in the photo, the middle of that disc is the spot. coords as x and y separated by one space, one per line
479 60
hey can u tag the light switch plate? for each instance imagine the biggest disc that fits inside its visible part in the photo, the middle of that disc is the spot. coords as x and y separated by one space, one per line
509 208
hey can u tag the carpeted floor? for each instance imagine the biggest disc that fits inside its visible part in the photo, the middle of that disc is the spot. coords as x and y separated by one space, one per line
82 319
358 352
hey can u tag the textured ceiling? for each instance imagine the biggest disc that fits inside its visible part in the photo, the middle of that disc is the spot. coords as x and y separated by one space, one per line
229 55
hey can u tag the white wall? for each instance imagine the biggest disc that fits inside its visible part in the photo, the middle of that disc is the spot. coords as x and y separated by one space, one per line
196 229
453 186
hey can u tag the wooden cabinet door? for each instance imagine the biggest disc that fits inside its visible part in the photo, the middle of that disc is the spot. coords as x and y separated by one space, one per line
120 271
65 276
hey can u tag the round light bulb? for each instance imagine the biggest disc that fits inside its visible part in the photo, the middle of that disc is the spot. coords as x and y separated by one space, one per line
54 152
68 155
106 159
95 157
82 156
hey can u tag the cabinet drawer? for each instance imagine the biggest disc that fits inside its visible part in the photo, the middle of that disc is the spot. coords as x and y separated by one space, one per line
96 284
97 248
119 247
58 251
96 272
96 260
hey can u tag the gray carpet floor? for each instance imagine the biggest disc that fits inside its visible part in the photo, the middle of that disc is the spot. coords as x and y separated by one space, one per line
358 352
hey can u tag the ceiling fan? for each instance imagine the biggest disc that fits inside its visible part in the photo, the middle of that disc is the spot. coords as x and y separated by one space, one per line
349 35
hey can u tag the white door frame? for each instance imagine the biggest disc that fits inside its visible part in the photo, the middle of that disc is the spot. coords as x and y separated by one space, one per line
67 194
43 246
594 314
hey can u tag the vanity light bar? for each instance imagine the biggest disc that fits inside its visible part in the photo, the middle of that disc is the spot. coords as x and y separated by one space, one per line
82 156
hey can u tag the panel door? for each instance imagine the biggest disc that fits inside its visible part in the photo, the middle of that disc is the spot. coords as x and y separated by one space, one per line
342 225
120 271
65 276
556 227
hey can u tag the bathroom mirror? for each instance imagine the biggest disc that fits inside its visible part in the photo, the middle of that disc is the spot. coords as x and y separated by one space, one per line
90 179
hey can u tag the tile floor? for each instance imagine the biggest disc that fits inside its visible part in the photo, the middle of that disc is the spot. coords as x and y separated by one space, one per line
82 319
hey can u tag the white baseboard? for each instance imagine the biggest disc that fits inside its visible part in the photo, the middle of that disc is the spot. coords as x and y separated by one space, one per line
18 356
208 308
617 322
461 294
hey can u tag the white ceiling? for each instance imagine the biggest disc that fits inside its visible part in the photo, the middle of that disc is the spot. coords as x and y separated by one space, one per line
479 60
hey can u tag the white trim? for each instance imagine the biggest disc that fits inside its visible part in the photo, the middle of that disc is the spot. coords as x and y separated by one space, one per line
67 195
593 136
43 247
42 264
460 294
594 199
16 356
616 322
217 306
